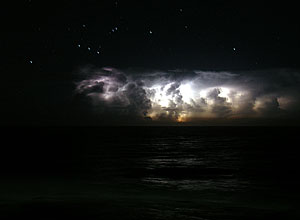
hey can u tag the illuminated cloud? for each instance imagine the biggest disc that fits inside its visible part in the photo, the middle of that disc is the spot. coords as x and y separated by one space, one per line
184 96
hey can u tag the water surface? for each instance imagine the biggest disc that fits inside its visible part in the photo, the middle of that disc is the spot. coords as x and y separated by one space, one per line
150 173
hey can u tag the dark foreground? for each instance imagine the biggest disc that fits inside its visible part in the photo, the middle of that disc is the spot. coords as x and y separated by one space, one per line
150 173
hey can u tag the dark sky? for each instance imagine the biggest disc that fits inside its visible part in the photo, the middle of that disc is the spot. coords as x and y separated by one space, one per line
153 34
44 43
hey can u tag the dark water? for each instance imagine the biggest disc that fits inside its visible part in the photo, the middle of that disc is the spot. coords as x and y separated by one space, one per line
150 173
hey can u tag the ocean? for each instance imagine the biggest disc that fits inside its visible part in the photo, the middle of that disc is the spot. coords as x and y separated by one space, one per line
150 173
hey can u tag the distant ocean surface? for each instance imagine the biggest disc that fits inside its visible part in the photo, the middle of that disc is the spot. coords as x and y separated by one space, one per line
150 173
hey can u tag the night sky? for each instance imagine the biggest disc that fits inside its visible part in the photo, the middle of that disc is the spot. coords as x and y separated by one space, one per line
49 49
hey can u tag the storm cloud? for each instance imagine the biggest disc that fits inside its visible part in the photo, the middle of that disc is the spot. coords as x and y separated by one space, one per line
189 95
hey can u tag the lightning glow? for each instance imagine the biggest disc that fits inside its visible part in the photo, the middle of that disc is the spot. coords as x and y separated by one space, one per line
178 99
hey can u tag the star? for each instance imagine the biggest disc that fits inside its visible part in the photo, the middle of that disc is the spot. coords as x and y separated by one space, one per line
234 49
31 62
150 32
98 52
79 45
89 48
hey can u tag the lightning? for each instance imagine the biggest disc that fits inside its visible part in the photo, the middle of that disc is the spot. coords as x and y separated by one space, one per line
161 97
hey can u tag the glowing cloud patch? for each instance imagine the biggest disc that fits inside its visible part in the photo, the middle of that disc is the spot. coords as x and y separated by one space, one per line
166 96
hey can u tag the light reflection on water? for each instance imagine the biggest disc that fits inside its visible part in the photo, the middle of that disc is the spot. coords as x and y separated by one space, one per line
193 164
198 185
179 162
